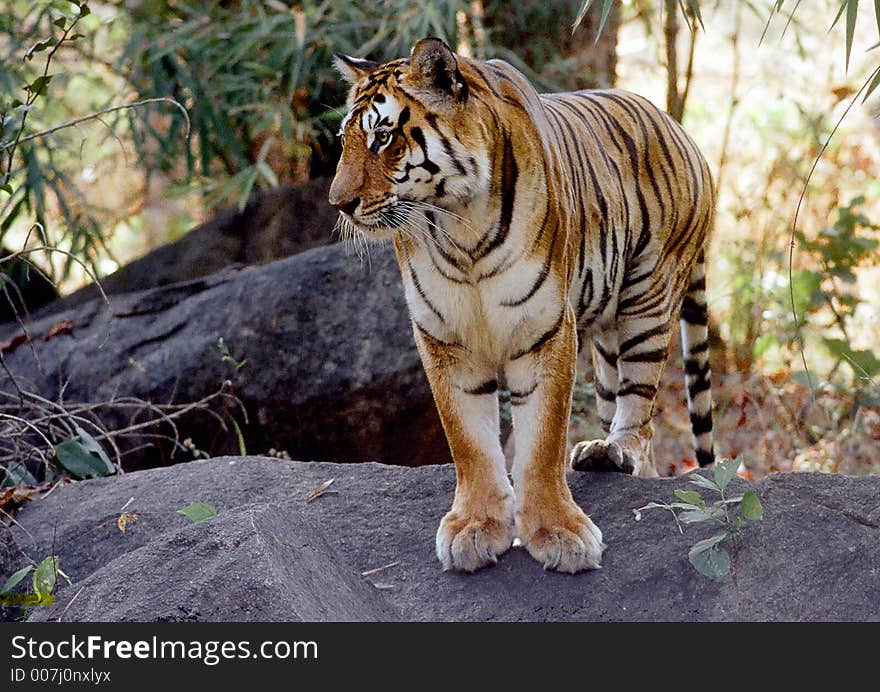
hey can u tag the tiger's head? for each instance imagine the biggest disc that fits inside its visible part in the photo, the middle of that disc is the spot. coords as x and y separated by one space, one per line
411 141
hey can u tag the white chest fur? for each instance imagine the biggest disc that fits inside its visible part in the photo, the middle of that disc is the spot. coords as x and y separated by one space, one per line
478 310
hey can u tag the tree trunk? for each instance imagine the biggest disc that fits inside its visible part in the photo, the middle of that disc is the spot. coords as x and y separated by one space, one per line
674 105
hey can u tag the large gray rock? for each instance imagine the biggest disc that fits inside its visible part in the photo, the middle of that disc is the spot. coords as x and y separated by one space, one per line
331 369
813 557
275 224
256 563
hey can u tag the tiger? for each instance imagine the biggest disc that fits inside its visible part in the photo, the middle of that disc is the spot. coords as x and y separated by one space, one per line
526 225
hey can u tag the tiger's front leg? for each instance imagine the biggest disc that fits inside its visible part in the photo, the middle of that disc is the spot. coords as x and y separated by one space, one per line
480 525
552 527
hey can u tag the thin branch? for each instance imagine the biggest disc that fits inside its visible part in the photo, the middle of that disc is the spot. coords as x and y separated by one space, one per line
792 238
97 115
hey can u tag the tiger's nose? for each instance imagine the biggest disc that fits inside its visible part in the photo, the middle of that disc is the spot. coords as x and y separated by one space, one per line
346 206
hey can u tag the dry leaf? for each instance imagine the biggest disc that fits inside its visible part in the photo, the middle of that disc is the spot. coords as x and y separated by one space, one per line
125 520
320 490
10 498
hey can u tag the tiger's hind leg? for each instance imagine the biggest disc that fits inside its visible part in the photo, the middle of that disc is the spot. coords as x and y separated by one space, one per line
634 366
642 355
601 455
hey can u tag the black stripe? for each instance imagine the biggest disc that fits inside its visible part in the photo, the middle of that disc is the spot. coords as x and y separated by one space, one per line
545 337
588 283
440 269
705 457
695 368
701 422
501 74
426 333
610 358
519 398
479 69
646 391
488 387
439 245
656 356
701 385
603 393
421 292
699 347
576 168
698 284
542 276
644 336
447 145
589 112
629 281
501 267
509 173
694 313
540 235
419 137
643 304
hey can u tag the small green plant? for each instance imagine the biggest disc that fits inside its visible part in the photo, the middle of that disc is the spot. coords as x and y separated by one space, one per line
43 581
226 355
710 556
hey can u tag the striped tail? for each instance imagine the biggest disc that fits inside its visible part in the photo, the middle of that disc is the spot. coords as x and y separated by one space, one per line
694 321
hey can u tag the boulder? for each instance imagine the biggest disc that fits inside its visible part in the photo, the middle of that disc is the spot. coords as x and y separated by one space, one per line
320 353
259 563
364 549
275 224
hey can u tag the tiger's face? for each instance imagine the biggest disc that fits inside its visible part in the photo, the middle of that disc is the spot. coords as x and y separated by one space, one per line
409 147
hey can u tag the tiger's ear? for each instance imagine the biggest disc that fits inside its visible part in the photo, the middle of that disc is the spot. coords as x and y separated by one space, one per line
434 71
352 70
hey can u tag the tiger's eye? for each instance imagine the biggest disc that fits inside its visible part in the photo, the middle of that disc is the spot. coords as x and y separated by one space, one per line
383 136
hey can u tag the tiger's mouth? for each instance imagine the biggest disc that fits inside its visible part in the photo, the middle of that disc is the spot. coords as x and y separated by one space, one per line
396 215
380 219
377 222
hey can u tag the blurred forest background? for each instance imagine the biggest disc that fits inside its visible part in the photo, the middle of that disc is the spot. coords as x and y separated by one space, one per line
174 110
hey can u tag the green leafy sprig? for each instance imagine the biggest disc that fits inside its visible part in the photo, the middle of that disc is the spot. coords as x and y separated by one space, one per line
710 557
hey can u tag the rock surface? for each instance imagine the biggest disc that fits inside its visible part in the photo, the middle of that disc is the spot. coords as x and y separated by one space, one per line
277 223
269 554
330 369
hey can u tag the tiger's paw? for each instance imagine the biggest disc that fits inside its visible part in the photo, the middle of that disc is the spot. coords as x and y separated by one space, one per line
468 543
601 455
562 538
608 455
